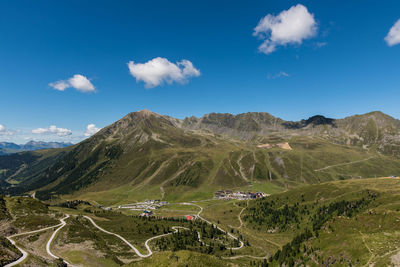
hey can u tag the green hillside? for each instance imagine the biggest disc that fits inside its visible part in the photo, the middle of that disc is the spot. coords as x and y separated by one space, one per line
340 223
147 155
181 258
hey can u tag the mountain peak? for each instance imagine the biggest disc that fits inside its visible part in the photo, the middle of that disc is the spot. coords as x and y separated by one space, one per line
318 120
146 113
132 118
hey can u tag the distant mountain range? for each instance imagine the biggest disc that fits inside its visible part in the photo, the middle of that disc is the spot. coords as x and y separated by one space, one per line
148 155
9 148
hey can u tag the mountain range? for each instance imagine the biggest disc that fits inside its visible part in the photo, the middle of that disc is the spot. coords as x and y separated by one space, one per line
9 148
148 155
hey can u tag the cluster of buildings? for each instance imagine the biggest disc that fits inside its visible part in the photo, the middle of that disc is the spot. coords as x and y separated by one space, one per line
229 194
146 205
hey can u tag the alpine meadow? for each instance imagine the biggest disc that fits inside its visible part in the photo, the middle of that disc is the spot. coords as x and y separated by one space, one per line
214 133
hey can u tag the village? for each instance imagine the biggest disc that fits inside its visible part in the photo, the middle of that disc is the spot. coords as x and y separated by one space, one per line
149 206
229 194
146 205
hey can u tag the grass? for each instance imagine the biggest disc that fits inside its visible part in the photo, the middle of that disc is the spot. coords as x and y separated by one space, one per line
181 259
223 212
213 241
370 236
191 166
377 230
176 210
276 169
30 214
357 240
80 257
80 241
135 229
378 223
26 214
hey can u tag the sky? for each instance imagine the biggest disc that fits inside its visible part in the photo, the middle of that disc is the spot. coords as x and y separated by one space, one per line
69 68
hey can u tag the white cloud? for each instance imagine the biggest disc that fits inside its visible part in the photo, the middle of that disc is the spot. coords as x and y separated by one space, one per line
159 70
291 26
188 69
5 131
278 75
393 37
78 81
52 130
81 83
91 129
60 85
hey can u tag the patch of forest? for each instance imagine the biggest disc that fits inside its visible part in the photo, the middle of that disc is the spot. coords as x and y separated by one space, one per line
200 237
307 218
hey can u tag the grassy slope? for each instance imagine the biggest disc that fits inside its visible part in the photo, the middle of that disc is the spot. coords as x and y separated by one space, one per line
371 236
24 166
30 214
181 258
147 156
233 166
80 242
25 214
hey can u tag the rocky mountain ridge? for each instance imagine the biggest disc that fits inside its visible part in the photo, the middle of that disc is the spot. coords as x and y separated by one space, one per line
370 129
160 156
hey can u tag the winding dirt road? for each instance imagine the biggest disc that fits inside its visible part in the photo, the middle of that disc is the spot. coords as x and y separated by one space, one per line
24 253
175 228
63 223
240 216
146 244
229 234
149 251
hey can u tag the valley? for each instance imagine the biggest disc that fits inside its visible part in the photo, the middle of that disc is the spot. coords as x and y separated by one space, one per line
363 212
222 190
199 133
146 155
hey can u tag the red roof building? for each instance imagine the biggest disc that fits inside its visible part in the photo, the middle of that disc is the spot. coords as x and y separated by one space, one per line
189 218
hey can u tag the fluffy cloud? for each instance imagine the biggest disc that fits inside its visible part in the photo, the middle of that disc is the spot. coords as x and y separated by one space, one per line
60 85
159 70
91 129
393 37
81 83
5 131
78 81
291 26
52 130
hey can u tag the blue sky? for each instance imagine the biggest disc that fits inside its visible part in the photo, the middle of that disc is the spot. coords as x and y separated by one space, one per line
341 66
